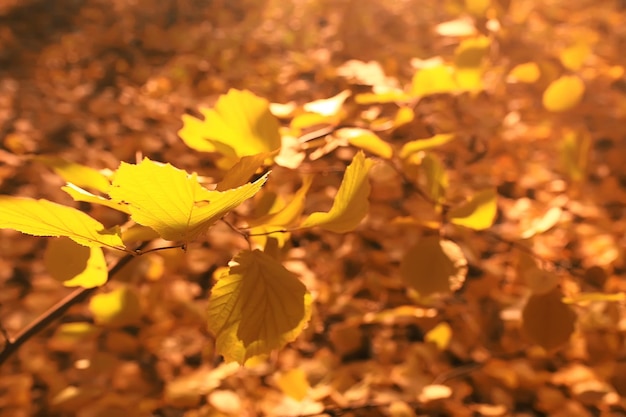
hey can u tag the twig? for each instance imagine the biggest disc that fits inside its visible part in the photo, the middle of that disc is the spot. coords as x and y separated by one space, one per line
56 311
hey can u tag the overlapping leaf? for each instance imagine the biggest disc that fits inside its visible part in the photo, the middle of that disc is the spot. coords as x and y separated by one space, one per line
80 175
45 218
258 306
173 202
478 213
351 203
86 267
240 124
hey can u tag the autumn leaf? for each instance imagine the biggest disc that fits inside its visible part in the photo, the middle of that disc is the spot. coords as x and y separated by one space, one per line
241 172
80 175
117 308
351 202
478 213
45 218
434 266
78 194
547 320
436 177
86 267
240 124
435 79
563 93
173 202
412 147
256 307
366 140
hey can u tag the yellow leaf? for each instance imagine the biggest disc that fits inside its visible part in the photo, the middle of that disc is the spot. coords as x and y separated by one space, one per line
81 175
477 8
563 93
366 140
575 148
241 172
294 384
240 124
434 266
257 307
403 116
478 213
139 233
468 62
438 79
117 308
75 265
436 177
440 335
351 202
575 55
547 320
173 202
594 297
78 194
419 145
45 218
525 73
308 120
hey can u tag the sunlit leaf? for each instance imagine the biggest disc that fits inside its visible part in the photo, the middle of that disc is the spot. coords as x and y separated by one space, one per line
563 94
366 140
419 145
81 175
468 62
547 320
257 307
387 96
351 202
574 56
173 202
45 218
437 79
78 194
139 233
117 308
240 124
308 120
478 213
527 72
434 266
328 107
477 8
241 172
436 177
294 383
75 265
440 335
403 116
277 221
546 222
459 27
575 148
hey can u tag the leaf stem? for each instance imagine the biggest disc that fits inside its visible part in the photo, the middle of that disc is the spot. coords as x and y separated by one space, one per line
12 344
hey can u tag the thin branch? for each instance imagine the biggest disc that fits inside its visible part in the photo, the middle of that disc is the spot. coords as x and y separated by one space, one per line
56 311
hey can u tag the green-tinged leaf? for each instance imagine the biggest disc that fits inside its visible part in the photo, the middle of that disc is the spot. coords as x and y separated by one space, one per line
438 79
434 266
240 124
419 145
258 306
563 94
436 177
78 194
547 320
81 175
45 218
75 265
575 149
173 202
468 63
366 140
478 213
241 172
117 308
351 202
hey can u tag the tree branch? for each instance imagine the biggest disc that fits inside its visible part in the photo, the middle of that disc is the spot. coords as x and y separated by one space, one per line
12 344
